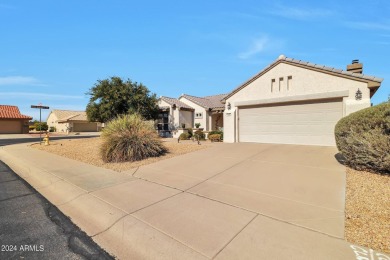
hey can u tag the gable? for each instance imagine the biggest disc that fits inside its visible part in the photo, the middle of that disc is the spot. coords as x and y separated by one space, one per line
285 79
373 83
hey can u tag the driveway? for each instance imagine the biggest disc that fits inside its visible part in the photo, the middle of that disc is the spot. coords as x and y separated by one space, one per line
231 201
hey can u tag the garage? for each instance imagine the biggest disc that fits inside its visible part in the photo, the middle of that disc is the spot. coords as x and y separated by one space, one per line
10 127
84 127
303 122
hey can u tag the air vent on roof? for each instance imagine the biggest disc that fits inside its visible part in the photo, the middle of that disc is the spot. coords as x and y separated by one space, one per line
355 67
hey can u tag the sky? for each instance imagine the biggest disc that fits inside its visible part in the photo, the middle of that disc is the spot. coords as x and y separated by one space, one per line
53 52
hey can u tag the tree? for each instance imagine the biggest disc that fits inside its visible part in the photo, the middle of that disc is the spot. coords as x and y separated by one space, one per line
114 96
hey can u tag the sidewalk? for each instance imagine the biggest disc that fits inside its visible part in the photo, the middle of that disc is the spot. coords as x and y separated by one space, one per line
136 218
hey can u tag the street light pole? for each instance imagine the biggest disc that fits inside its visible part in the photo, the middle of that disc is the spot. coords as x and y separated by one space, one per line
40 119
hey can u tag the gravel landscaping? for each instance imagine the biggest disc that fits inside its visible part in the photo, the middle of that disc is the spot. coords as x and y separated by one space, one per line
367 210
88 151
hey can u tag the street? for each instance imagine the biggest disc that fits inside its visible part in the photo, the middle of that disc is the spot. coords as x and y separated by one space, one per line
32 228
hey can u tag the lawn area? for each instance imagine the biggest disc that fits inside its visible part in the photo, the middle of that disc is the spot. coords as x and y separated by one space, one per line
88 151
367 210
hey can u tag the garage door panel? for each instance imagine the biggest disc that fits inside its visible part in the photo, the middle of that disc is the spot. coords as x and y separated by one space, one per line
84 127
309 123
10 127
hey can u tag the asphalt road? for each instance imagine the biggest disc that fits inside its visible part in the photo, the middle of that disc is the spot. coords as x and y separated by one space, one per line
32 228
10 141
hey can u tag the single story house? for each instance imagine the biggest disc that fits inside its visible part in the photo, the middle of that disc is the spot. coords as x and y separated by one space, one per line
12 121
296 102
71 121
187 110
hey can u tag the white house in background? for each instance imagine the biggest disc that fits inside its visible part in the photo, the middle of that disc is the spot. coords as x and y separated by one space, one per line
187 111
296 102
71 121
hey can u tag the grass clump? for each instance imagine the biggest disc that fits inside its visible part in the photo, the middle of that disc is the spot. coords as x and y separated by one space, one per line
130 138
363 138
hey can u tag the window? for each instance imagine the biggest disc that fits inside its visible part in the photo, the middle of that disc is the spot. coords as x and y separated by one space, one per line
272 85
280 84
198 115
289 82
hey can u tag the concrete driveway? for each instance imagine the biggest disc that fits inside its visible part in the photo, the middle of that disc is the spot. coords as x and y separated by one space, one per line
231 201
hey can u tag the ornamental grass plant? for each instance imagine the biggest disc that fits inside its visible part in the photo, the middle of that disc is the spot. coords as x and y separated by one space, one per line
130 138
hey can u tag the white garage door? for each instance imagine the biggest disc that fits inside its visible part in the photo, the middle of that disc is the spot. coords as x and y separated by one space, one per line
308 123
10 127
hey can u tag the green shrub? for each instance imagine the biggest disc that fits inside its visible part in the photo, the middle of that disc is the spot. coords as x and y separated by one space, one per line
31 127
190 132
197 125
41 126
199 135
52 129
215 137
130 138
184 136
363 138
216 132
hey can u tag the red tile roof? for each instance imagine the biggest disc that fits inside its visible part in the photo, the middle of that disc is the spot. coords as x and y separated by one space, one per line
12 112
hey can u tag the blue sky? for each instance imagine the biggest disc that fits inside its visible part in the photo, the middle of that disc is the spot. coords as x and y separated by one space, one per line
53 52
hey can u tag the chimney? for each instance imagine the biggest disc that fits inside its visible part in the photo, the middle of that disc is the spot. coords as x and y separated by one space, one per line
355 67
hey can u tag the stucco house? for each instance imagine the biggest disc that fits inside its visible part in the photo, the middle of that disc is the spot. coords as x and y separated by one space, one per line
12 121
296 102
186 111
71 121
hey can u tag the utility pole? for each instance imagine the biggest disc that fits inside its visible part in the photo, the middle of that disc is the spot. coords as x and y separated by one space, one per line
40 119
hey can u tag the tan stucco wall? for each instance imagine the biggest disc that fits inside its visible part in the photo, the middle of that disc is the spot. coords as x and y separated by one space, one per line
52 121
304 81
204 121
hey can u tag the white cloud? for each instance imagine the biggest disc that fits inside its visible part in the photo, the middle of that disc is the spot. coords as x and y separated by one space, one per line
369 25
43 96
301 13
258 46
18 80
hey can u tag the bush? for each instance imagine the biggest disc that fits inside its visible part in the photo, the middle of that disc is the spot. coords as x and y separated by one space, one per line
215 137
190 133
130 138
41 126
31 127
363 138
199 135
216 132
184 136
197 125
52 129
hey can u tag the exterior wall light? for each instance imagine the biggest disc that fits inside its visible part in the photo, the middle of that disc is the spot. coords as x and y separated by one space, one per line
358 95
229 106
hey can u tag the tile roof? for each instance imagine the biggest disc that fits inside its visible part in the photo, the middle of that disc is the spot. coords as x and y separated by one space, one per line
308 65
12 112
70 115
208 102
175 101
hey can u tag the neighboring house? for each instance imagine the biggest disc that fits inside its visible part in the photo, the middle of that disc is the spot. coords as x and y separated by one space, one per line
71 121
12 121
208 110
296 102
188 110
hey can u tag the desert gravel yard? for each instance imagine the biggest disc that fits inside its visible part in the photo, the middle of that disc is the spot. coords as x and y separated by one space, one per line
367 210
88 151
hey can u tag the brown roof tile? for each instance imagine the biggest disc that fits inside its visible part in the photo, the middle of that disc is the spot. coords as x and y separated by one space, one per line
175 101
12 112
208 102
70 115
